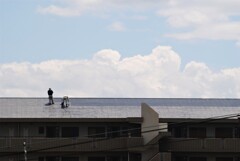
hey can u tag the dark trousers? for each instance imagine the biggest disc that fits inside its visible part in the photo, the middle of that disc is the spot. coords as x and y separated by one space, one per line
50 99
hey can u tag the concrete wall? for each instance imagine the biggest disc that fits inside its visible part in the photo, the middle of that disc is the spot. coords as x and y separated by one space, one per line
149 153
150 122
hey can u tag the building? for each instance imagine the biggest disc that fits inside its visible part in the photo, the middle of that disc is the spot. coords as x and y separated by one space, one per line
120 129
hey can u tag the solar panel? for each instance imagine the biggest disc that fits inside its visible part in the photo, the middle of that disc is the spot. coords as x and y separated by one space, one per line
117 107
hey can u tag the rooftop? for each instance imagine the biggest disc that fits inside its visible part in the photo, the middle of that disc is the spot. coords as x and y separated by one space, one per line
117 107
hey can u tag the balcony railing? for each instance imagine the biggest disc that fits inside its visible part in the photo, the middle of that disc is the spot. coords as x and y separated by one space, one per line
201 145
69 144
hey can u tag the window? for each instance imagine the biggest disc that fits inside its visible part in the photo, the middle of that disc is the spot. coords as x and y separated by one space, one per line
198 159
41 130
224 132
237 132
40 158
224 159
70 159
180 132
113 131
133 130
53 158
181 158
113 158
197 132
136 132
237 158
11 131
124 131
96 158
25 132
70 132
135 157
52 131
96 132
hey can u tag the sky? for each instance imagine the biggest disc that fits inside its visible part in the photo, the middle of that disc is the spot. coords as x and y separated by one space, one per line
120 48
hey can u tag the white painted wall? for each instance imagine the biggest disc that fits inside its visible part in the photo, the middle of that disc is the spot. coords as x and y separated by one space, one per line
150 122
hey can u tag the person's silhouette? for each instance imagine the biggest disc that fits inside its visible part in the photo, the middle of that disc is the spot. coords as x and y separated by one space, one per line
50 96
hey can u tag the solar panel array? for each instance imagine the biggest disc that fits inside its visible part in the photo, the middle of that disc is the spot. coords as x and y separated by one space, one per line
117 107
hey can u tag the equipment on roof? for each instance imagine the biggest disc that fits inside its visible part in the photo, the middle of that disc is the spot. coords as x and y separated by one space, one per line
65 102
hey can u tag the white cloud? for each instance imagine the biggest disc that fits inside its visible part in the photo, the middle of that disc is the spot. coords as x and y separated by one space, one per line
238 43
205 19
107 56
228 31
157 74
60 11
117 26
71 8
78 7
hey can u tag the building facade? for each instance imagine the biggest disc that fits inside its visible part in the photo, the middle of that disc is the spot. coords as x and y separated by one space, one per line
120 129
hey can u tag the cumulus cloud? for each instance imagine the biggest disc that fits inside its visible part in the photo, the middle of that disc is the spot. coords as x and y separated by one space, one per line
157 74
107 56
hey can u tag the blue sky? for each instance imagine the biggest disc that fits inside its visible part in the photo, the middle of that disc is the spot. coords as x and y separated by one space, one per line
39 31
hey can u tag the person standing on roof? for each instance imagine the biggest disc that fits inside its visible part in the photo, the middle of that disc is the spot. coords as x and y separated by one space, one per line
50 96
